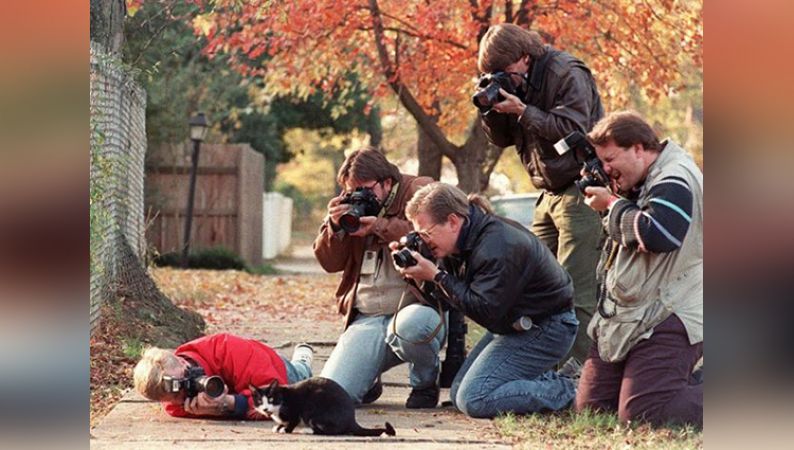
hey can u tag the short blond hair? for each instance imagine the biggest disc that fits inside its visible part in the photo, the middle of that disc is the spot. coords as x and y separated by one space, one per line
148 374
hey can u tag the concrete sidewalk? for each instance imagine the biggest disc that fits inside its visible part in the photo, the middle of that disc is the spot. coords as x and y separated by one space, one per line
140 424
300 260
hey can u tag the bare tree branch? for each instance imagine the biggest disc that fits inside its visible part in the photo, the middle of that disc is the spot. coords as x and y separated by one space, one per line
407 99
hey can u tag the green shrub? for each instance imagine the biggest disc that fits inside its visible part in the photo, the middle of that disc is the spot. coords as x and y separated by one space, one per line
215 258
264 269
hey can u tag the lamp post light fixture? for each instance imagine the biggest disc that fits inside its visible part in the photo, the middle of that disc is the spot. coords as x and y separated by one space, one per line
198 131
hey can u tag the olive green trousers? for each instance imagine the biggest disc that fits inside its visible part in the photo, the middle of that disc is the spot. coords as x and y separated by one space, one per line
573 232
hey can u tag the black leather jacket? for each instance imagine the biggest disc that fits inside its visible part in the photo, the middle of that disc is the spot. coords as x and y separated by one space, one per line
503 272
561 97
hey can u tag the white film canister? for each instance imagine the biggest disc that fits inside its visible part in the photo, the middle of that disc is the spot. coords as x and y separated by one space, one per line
523 323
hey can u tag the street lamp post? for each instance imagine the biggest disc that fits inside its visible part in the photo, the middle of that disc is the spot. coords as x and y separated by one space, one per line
198 130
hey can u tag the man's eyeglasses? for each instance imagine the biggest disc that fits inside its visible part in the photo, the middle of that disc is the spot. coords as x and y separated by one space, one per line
426 234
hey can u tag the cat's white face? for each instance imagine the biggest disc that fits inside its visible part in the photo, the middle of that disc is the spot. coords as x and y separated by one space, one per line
269 409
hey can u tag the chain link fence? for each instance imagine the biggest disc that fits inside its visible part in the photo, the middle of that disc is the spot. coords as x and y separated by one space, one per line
118 147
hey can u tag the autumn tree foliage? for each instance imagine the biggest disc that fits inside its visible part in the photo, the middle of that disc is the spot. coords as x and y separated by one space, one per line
425 53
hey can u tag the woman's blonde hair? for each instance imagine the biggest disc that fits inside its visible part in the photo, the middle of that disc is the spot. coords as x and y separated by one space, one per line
148 374
439 200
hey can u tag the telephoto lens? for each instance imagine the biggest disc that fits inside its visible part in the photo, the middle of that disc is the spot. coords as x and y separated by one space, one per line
213 385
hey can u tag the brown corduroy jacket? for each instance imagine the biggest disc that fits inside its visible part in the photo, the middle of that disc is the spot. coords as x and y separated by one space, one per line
337 250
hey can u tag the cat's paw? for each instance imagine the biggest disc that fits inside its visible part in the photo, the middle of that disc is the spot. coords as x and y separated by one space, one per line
308 430
278 428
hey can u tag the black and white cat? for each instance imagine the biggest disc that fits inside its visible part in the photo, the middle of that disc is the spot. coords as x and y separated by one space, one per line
322 404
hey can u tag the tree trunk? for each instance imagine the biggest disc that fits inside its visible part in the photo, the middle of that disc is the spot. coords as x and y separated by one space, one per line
468 171
374 127
429 154
475 160
107 24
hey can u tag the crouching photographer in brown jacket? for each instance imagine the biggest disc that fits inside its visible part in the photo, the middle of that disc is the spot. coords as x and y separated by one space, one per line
354 239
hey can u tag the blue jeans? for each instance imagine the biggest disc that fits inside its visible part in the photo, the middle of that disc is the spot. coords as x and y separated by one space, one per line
296 370
512 373
368 348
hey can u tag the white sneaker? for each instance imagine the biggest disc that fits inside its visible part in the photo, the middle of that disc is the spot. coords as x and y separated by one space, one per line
303 353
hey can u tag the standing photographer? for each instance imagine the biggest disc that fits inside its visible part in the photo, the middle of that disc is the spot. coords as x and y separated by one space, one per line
553 94
502 277
648 331
239 362
354 239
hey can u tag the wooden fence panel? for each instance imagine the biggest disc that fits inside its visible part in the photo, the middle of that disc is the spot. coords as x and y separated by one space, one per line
228 177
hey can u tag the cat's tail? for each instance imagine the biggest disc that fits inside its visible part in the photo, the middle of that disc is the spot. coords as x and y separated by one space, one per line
360 431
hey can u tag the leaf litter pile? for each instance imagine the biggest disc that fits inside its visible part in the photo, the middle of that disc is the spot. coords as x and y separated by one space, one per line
229 301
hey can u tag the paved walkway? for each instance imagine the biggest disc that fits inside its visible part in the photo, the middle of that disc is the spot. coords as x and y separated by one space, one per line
136 423
300 260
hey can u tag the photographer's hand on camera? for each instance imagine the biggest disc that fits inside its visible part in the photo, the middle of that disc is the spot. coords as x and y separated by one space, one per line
598 198
423 270
204 405
335 210
510 105
365 225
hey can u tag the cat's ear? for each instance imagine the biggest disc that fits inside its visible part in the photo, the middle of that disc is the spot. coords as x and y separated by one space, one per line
253 389
273 384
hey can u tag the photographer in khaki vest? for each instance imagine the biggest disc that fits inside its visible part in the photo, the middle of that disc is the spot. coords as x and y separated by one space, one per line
648 328
353 239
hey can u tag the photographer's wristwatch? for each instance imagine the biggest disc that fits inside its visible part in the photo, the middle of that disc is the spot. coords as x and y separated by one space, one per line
439 276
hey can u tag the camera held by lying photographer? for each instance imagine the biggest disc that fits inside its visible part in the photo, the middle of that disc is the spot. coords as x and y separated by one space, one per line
195 381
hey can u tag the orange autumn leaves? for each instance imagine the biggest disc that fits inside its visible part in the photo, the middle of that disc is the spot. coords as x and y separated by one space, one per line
301 46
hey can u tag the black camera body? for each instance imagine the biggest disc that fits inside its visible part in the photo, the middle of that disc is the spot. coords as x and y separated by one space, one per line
363 202
488 90
195 381
584 152
411 241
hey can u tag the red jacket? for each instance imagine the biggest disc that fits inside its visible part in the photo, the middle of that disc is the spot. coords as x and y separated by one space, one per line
238 361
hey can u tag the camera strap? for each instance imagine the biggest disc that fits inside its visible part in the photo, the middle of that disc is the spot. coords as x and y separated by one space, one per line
389 200
414 289
602 292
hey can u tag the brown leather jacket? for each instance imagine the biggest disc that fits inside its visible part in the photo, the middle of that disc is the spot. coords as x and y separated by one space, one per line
561 98
337 251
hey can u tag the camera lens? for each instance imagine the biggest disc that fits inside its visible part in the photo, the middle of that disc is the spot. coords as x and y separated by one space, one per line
213 386
403 258
349 222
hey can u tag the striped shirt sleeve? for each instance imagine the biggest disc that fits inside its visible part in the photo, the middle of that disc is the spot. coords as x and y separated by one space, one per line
659 227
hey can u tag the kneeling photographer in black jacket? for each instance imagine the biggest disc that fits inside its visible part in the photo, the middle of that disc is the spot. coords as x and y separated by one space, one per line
502 277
